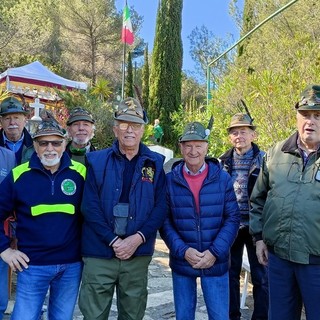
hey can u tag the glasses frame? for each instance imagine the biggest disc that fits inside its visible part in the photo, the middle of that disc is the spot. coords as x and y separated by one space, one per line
125 125
54 143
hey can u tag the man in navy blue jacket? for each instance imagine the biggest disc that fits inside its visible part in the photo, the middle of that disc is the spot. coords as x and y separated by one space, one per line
201 227
45 194
124 204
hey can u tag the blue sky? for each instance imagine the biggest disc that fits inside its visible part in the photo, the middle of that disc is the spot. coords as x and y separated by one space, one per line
211 13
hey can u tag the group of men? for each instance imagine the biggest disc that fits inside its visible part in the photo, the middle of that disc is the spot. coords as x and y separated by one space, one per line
90 219
43 192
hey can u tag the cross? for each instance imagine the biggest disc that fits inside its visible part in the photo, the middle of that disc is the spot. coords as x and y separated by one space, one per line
37 106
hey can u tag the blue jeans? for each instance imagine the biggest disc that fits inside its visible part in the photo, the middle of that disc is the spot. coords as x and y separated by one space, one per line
259 278
215 293
4 269
62 281
291 285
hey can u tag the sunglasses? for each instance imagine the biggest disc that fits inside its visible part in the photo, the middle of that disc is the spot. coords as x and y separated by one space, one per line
55 143
125 125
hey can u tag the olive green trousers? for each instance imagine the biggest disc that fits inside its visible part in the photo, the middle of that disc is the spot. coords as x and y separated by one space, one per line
101 277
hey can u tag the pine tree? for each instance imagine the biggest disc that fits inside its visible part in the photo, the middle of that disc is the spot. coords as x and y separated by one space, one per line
165 76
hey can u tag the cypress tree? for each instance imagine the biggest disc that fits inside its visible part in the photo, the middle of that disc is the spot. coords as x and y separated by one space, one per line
145 79
128 90
248 23
165 75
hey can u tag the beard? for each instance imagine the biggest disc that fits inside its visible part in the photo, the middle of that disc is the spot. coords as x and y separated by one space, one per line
82 141
50 162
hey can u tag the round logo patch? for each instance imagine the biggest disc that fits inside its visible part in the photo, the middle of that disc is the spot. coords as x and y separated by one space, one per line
68 187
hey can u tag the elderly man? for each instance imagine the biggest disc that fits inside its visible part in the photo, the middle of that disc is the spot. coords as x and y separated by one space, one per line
7 162
285 216
243 162
201 227
80 128
45 194
124 204
13 134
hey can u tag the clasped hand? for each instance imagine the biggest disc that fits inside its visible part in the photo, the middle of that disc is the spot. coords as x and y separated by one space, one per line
125 248
200 260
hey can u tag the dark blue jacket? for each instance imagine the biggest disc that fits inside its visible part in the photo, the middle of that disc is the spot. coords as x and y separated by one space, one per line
147 200
47 207
214 229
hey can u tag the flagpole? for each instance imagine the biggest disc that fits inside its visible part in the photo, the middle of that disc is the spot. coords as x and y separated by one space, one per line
123 70
127 37
124 59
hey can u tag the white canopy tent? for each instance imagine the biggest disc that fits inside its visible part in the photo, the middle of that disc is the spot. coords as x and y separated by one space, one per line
36 80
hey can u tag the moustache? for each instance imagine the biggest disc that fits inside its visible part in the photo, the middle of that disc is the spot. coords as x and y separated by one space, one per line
50 153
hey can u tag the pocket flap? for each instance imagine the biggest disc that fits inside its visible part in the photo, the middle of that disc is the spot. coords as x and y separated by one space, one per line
121 210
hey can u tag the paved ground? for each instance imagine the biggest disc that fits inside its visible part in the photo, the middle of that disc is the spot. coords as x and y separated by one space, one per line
160 299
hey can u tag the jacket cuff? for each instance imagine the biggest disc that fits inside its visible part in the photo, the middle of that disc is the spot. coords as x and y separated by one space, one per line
142 236
113 241
257 237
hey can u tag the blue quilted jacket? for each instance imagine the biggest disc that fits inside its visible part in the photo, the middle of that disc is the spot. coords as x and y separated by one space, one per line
215 228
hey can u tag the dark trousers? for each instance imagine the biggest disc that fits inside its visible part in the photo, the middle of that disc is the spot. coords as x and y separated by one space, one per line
292 285
259 278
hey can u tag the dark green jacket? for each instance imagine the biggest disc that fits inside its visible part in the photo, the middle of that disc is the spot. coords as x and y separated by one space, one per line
286 204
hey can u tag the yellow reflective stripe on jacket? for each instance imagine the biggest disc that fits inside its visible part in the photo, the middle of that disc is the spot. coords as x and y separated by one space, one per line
19 170
49 208
79 167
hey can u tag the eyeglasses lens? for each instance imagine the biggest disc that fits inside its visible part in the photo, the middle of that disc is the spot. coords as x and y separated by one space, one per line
124 126
55 143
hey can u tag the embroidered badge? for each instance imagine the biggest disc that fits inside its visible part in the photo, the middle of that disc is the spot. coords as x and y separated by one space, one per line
68 187
147 174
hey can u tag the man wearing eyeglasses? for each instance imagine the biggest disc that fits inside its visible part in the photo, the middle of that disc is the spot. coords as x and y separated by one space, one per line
14 135
45 193
80 129
124 204
243 162
285 215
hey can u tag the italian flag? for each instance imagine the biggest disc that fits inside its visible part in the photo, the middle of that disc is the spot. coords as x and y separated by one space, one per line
127 33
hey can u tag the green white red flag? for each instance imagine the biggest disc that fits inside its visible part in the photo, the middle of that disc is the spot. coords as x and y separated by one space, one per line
127 35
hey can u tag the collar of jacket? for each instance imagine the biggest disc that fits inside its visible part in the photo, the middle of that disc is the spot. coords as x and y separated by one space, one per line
227 157
92 147
144 151
27 140
177 167
290 145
